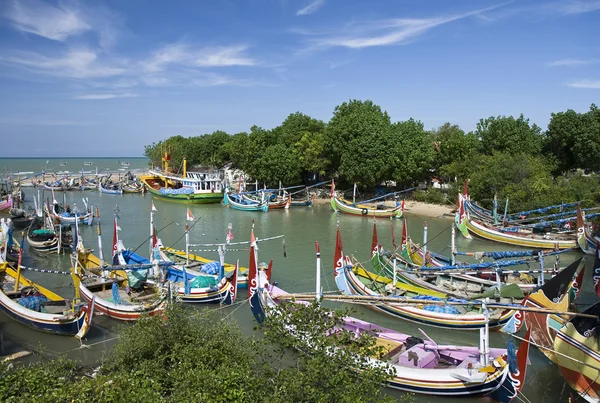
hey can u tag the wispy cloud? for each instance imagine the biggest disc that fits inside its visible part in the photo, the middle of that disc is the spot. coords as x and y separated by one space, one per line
311 7
578 6
185 55
105 96
55 23
587 84
388 32
75 63
570 62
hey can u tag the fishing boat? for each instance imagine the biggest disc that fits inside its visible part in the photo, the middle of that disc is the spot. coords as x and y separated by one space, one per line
586 240
9 249
519 236
556 294
132 187
66 215
43 236
417 365
380 211
430 312
236 202
577 351
190 187
125 163
114 296
63 164
88 163
20 218
6 204
110 188
39 308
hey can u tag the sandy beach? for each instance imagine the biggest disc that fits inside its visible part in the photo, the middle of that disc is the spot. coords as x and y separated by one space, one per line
417 208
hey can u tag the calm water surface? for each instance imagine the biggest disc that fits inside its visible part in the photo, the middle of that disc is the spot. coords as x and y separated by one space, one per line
295 273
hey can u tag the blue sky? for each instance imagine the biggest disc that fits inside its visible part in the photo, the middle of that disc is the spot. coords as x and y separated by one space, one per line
104 78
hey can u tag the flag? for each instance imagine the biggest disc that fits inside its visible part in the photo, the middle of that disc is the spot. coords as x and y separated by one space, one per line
115 248
153 208
403 205
229 237
597 271
189 216
332 188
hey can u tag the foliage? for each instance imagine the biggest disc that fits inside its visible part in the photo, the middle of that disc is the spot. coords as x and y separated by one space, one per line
507 134
197 356
431 195
574 139
327 365
413 152
361 144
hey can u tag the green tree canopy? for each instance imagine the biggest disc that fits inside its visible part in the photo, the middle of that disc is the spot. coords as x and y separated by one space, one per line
413 152
507 134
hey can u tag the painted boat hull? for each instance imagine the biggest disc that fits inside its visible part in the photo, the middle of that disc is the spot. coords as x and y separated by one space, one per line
264 206
7 204
365 211
192 198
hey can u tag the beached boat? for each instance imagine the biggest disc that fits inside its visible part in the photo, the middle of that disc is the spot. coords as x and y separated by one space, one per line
418 366
39 308
380 211
68 216
236 202
525 237
577 351
110 188
430 312
191 187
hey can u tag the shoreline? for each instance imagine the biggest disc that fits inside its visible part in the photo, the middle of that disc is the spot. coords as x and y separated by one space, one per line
417 208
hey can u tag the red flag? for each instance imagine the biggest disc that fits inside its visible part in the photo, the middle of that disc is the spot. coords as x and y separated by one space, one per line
189 216
374 242
403 205
154 238
596 276
332 188
252 271
578 282
269 270
466 188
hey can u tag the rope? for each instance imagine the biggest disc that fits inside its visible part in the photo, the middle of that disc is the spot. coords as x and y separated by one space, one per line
45 270
238 243
238 307
216 250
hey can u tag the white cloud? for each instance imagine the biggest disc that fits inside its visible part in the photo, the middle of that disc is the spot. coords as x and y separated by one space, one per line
55 23
184 55
104 96
311 8
578 6
389 31
587 84
76 63
570 62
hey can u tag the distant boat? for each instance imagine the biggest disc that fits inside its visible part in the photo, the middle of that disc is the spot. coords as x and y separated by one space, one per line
63 164
47 161
125 163
88 163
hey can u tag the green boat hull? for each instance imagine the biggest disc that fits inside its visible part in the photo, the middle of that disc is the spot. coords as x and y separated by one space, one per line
194 198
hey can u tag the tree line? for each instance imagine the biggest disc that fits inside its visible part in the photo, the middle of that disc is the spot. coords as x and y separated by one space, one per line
505 156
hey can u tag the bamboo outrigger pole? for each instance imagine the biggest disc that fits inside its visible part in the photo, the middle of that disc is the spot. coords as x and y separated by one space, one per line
361 299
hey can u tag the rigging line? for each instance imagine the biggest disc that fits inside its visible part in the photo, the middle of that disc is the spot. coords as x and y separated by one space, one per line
150 237
237 243
184 232
232 312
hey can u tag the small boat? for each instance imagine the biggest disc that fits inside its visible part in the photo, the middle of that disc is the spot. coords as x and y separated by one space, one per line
125 163
121 295
418 365
6 204
555 294
236 202
433 314
20 218
39 308
43 236
67 216
578 354
88 163
63 164
9 249
380 211
525 237
110 188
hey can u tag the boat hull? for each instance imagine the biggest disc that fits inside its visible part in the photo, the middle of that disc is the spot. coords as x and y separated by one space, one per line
192 198
365 211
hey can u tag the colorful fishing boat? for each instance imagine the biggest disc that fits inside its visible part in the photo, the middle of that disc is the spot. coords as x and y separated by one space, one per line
43 235
110 188
577 351
67 216
418 366
236 202
380 211
556 295
448 316
6 204
519 236
41 309
190 187
586 240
